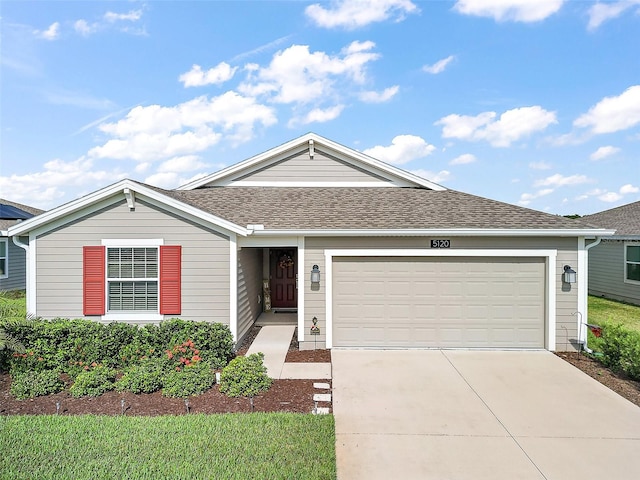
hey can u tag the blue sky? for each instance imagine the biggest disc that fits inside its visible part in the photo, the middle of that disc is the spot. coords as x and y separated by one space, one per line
530 102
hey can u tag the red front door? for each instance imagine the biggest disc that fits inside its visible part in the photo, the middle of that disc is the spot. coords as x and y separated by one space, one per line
284 291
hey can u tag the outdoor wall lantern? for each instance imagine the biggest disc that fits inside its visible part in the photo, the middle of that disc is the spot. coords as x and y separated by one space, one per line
570 275
315 274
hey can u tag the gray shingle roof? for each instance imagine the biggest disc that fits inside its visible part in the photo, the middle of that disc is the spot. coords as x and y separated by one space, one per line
6 223
284 208
625 219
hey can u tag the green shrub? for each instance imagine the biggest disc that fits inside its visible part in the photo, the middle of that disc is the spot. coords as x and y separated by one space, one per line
146 377
35 384
25 362
214 340
245 376
621 349
193 379
94 382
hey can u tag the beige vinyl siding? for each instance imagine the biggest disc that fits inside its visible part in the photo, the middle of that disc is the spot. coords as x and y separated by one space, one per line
205 260
17 271
249 288
566 297
301 168
606 273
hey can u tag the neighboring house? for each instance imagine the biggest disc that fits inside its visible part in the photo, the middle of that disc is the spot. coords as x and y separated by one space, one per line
12 258
614 264
376 255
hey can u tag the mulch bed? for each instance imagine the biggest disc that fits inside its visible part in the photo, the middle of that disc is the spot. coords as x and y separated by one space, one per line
621 384
283 396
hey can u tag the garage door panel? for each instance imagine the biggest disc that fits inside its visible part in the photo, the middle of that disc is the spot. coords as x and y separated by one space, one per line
438 302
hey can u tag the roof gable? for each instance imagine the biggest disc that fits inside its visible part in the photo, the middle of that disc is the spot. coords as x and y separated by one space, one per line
312 160
124 189
624 219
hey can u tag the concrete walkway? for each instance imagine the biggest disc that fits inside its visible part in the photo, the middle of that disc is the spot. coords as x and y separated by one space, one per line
274 341
478 415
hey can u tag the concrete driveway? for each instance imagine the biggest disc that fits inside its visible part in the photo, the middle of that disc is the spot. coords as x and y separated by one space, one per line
433 414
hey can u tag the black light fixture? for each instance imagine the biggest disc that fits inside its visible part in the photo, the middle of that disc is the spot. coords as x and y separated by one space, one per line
569 275
315 274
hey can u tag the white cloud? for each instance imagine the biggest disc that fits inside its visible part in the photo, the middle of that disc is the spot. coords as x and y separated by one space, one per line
84 28
612 114
51 33
352 14
463 159
559 180
45 189
514 10
319 115
403 149
379 97
110 20
539 165
513 125
196 77
157 133
628 188
610 197
601 12
439 66
131 16
186 163
526 198
435 177
604 152
295 75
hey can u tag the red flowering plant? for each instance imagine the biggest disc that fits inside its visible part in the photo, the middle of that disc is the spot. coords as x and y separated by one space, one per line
29 361
184 355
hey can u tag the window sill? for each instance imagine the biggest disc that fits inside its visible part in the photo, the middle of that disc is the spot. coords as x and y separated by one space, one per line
133 317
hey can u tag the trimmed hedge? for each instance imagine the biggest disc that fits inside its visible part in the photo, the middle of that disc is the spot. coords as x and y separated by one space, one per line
245 376
85 350
621 349
36 384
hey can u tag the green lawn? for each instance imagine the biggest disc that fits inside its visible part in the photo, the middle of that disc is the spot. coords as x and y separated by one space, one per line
603 311
231 446
13 304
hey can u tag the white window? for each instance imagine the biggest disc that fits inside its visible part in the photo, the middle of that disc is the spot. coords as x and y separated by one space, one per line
132 279
632 262
4 258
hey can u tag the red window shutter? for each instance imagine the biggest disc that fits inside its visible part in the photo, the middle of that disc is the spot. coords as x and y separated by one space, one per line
170 280
93 279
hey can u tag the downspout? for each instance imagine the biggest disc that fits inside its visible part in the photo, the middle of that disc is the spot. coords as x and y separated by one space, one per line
583 323
25 247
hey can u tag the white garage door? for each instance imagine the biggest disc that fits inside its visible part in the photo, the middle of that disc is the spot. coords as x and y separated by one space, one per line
438 302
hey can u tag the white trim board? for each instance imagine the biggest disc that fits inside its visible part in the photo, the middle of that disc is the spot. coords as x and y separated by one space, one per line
550 287
347 154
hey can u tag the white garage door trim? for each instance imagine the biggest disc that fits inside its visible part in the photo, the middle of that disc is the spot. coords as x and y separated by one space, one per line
550 284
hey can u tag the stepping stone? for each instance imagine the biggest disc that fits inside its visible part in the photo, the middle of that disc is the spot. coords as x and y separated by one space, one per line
324 386
321 411
322 397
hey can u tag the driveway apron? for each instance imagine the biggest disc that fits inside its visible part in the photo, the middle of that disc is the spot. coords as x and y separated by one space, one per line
431 414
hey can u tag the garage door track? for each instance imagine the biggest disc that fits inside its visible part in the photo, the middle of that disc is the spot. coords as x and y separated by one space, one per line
429 414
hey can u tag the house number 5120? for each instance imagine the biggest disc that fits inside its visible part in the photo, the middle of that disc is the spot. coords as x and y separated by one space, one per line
440 243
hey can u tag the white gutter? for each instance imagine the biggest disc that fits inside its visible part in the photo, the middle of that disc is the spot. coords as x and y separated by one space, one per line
463 232
28 285
583 323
